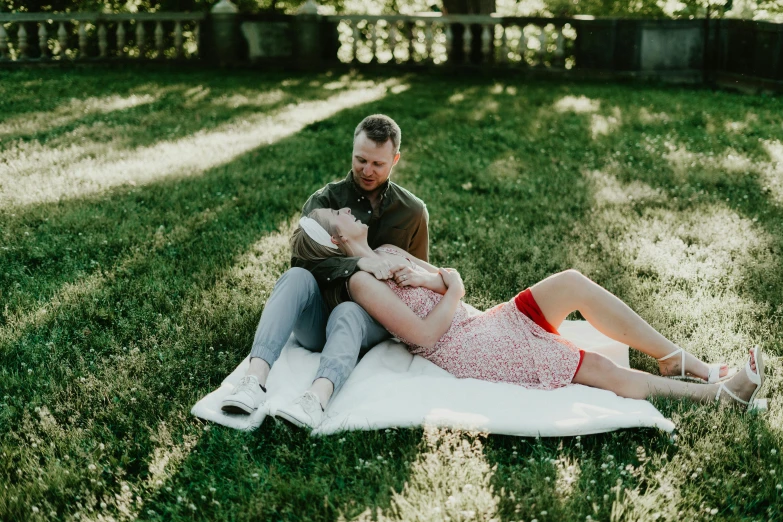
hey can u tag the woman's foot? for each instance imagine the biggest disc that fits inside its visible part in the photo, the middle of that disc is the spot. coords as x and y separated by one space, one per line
741 385
672 366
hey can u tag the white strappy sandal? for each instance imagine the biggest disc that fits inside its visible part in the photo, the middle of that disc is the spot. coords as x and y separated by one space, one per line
712 377
756 378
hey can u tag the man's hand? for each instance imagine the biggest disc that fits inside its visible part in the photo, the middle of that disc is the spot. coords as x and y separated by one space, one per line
380 268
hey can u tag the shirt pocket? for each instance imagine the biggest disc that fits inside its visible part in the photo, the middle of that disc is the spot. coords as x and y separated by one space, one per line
398 237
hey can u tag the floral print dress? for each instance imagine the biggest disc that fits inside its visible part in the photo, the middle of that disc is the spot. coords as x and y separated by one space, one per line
499 345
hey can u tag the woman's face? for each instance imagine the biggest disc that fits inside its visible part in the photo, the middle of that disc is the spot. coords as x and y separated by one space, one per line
342 221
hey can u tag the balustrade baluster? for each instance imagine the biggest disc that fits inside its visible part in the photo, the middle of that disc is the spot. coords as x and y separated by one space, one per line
23 45
43 44
428 41
485 38
559 51
449 39
392 39
120 38
373 43
197 36
82 40
140 35
62 37
411 25
503 44
542 47
159 39
467 40
355 39
178 39
3 43
103 44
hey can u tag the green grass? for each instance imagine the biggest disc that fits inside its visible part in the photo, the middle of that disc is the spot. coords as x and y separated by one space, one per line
144 219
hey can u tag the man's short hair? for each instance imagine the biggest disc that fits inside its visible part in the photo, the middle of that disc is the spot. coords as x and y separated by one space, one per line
380 128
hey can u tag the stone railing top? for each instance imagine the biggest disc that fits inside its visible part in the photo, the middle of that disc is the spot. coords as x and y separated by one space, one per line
98 16
493 18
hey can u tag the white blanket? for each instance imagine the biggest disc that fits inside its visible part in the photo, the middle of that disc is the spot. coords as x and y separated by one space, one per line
391 388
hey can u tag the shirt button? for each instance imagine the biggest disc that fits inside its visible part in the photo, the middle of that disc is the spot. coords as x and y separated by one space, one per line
369 211
328 278
346 271
358 199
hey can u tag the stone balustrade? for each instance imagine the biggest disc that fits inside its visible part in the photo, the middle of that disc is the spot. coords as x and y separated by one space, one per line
455 40
91 36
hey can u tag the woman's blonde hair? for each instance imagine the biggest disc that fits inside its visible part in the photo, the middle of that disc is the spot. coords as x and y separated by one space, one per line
305 248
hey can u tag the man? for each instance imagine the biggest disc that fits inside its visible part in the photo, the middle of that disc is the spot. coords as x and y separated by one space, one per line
303 297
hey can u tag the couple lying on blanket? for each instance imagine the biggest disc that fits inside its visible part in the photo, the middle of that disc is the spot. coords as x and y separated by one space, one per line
387 290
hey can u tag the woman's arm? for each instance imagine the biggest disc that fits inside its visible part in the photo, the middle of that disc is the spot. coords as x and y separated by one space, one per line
432 280
383 304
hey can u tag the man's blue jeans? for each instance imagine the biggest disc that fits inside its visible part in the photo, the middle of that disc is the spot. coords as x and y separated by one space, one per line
296 306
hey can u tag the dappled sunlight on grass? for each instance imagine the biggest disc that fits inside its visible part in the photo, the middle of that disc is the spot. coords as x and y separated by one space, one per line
31 123
249 100
699 255
450 480
772 171
34 182
578 104
601 125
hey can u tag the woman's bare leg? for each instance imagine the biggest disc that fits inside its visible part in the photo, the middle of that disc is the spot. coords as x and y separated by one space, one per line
562 293
600 372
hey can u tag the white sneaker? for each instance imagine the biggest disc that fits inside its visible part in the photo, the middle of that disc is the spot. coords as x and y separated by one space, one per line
304 411
247 397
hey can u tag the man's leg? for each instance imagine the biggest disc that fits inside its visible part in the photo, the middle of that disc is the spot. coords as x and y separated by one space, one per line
350 332
295 305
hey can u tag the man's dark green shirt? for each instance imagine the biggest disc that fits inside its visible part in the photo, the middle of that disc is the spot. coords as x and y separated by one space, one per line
400 219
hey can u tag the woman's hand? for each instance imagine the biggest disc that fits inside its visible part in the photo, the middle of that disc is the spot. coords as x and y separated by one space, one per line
452 280
407 276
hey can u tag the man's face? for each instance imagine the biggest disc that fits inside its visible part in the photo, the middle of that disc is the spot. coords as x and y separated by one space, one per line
372 164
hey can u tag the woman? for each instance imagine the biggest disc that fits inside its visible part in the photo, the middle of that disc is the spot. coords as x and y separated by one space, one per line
517 341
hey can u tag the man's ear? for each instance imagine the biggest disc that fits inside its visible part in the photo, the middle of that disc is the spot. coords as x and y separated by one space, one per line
396 159
334 241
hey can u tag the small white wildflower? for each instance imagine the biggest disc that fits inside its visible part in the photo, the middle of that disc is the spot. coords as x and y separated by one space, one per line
604 466
103 505
206 428
773 451
101 446
34 445
203 497
30 370
694 475
779 487
592 482
255 475
698 470
772 472
192 507
35 509
606 497
91 467
544 513
341 440
547 479
714 511
125 487
212 490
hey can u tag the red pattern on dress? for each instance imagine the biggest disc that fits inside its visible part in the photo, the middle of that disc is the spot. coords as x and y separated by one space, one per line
498 345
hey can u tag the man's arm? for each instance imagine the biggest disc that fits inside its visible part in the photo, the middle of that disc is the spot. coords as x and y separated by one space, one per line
420 241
